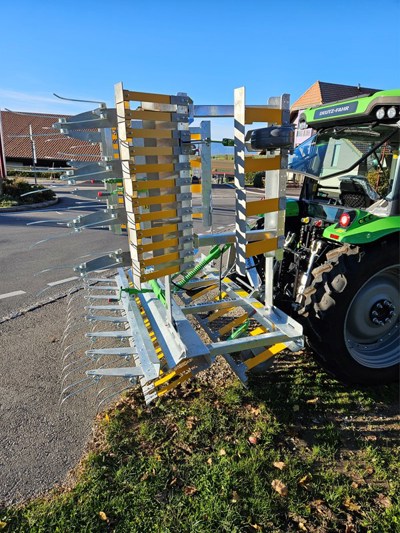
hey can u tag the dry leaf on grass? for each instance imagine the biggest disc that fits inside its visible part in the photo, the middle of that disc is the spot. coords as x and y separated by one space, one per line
191 422
209 461
253 439
222 452
280 487
235 497
313 400
190 490
351 505
304 480
321 507
384 501
103 516
256 527
279 464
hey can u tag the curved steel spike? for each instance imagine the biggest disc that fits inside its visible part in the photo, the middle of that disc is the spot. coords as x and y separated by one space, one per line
64 377
50 220
79 343
111 386
53 239
115 394
72 394
103 104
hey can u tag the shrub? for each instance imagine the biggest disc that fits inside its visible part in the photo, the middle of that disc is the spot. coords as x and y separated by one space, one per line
14 189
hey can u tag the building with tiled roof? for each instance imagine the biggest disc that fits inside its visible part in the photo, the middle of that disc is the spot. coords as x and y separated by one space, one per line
320 93
52 148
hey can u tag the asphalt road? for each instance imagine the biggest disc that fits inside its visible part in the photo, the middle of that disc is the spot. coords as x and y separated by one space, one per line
37 257
40 443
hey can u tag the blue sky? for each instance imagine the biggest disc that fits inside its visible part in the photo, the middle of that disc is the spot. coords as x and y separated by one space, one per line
80 49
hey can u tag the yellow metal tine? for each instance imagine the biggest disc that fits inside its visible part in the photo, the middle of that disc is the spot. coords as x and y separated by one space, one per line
261 247
258 331
257 207
256 164
236 322
155 98
203 292
262 114
265 355
174 384
219 313
170 375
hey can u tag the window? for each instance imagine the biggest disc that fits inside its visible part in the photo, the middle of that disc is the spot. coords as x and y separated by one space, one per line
335 155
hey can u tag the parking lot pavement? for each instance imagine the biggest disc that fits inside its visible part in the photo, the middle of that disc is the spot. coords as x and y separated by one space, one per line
39 443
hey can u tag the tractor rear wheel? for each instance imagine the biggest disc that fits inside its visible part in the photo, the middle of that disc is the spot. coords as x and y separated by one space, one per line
352 308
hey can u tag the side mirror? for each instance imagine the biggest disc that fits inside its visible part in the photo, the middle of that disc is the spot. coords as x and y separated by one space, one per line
270 138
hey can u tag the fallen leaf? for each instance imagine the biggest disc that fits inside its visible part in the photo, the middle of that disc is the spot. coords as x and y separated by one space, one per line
256 527
191 422
279 464
313 400
253 439
106 418
322 508
371 437
190 490
222 452
3 525
145 476
304 480
235 497
173 481
255 411
384 501
209 461
351 505
103 516
302 526
280 487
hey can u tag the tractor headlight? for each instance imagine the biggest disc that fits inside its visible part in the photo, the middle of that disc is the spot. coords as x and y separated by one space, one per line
380 113
391 112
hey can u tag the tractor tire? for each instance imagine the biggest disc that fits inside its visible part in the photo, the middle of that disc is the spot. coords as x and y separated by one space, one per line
352 310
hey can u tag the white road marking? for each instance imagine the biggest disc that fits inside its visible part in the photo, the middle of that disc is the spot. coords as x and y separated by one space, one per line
59 282
9 294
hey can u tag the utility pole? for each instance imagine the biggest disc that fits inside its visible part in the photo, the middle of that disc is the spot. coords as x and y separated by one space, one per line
3 169
33 152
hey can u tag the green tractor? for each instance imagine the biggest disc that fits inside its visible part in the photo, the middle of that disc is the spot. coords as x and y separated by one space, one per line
341 268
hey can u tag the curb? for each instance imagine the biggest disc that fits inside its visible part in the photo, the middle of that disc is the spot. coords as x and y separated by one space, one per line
28 207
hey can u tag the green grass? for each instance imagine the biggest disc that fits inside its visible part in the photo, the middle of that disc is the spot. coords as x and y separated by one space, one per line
187 464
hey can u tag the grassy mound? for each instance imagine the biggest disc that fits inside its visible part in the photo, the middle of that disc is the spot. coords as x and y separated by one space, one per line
296 451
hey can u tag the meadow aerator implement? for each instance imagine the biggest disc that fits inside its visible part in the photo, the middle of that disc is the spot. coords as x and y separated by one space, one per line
326 263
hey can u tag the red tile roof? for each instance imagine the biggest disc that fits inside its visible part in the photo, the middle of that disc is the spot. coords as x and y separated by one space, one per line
322 92
48 145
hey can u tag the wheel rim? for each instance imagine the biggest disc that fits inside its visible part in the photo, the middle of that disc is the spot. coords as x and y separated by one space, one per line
371 326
